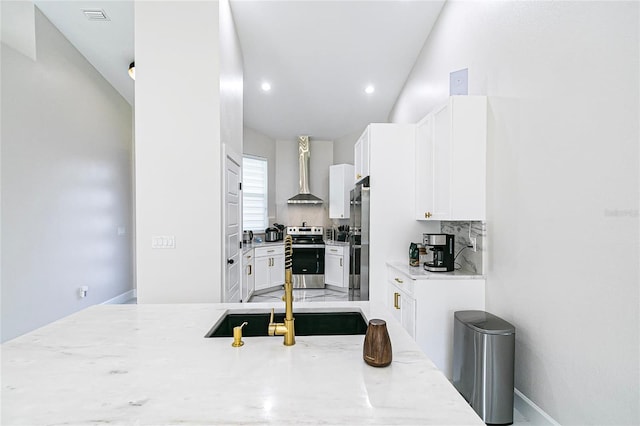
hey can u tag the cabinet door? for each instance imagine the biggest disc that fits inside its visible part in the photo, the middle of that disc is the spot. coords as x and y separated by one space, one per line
340 185
441 154
262 272
357 161
408 314
424 168
365 153
468 152
277 270
361 157
250 277
393 301
332 267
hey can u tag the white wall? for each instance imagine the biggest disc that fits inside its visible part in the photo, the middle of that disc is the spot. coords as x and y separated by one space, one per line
178 150
259 145
562 81
66 184
231 81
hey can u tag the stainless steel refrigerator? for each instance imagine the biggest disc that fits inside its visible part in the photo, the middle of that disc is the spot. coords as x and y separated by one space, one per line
359 242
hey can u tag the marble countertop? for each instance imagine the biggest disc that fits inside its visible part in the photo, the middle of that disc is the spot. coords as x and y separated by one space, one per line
253 245
151 365
336 243
418 273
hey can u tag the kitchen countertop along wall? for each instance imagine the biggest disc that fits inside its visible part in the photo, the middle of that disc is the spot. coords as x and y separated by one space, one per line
254 245
151 364
418 273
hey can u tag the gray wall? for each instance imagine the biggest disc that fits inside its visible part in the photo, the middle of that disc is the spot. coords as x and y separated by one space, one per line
562 228
66 184
343 148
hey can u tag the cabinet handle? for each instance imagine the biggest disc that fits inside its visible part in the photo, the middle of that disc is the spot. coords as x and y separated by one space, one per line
358 176
270 251
333 250
396 297
341 262
398 280
427 215
249 269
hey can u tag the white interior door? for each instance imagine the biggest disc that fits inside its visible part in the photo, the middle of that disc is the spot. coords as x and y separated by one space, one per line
232 226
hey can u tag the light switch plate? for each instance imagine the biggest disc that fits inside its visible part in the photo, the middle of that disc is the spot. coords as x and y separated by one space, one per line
163 242
459 82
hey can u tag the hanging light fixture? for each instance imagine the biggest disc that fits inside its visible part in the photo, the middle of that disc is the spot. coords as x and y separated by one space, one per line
132 70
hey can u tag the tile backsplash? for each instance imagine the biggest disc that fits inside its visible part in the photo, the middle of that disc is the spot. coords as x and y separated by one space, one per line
468 259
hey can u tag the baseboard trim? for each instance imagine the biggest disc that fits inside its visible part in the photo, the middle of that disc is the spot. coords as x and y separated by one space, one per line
534 414
131 294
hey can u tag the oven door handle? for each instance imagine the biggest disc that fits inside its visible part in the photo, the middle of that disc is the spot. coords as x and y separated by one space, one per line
311 246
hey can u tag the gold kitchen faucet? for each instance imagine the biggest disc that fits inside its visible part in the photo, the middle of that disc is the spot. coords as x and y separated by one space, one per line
286 328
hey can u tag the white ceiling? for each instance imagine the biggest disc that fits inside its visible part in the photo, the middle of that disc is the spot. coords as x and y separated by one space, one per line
107 45
318 56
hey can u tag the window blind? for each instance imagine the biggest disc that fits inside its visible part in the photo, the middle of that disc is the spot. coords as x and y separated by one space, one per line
254 194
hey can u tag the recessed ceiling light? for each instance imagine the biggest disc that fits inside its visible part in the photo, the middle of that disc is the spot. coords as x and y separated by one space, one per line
266 86
369 89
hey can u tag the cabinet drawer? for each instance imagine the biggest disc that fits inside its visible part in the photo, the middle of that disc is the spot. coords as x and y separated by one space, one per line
339 250
402 281
269 251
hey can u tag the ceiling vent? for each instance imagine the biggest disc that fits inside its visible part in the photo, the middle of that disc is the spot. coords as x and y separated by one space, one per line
95 15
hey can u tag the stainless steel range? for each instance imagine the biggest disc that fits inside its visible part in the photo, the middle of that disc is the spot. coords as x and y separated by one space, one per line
308 256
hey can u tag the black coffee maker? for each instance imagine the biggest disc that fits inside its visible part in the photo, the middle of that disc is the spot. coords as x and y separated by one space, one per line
440 256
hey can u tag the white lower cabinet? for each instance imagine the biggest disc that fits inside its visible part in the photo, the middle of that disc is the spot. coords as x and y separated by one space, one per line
425 308
248 276
269 266
401 301
336 266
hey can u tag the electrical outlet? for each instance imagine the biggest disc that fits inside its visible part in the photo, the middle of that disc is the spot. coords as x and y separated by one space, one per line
474 243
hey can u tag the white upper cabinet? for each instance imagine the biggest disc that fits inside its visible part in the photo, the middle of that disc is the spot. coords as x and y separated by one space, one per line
361 157
340 186
450 158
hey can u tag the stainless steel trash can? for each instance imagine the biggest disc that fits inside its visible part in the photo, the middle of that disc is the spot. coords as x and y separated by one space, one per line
483 358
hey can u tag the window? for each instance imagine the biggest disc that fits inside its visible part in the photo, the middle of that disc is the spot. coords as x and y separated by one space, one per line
254 194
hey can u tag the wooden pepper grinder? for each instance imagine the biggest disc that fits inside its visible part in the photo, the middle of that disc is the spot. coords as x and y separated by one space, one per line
377 344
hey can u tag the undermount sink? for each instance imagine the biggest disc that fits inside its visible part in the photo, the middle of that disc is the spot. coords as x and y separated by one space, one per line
306 324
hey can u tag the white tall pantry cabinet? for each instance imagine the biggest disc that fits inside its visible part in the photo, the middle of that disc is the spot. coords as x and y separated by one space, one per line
392 225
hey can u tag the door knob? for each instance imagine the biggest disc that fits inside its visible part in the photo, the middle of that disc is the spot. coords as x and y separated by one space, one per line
230 261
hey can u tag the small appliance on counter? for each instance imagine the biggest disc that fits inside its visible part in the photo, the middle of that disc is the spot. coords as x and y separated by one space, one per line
280 231
274 234
441 248
247 237
271 235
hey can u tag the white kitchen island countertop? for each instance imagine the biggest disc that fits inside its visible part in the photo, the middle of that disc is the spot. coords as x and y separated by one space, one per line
151 365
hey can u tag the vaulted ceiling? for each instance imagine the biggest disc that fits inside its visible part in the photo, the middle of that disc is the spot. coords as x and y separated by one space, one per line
318 57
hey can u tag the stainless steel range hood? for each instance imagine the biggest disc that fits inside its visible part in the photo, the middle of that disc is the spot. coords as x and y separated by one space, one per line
304 197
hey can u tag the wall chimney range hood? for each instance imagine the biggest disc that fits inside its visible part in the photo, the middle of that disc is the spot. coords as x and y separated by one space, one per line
304 197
